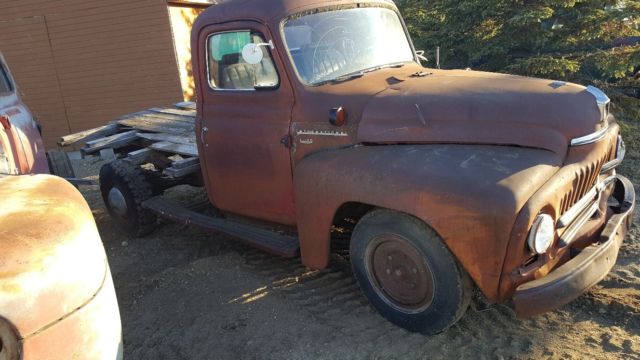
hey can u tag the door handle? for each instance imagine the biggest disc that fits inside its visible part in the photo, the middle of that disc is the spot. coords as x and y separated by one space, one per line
203 131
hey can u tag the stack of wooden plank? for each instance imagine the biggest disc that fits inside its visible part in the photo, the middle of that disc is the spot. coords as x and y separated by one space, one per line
167 130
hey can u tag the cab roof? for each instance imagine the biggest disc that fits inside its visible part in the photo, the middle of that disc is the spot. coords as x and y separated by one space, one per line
269 12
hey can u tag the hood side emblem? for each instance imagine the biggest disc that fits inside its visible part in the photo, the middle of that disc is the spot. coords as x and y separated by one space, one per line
322 133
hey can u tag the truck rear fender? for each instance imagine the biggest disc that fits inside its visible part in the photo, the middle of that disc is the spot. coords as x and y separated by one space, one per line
469 194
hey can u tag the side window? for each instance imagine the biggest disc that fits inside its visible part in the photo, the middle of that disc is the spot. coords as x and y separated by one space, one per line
5 83
227 68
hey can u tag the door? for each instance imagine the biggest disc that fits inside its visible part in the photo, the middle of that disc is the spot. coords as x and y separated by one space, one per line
245 117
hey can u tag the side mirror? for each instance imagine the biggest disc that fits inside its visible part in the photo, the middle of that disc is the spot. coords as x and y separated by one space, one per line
252 54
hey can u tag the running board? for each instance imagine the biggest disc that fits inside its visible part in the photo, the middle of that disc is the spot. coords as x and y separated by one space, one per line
269 241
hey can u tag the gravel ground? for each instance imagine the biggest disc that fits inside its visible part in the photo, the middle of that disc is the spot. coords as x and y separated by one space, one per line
188 294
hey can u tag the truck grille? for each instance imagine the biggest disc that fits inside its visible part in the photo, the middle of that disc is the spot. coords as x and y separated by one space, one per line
583 181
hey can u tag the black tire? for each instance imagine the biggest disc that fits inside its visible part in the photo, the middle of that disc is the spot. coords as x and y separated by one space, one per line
59 164
407 272
132 185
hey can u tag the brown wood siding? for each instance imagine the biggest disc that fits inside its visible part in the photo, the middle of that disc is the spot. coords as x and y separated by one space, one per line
25 45
81 63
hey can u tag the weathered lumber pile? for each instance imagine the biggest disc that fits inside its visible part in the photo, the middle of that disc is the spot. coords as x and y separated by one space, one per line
169 131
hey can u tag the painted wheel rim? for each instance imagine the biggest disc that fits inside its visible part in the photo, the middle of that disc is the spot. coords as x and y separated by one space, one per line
399 273
117 202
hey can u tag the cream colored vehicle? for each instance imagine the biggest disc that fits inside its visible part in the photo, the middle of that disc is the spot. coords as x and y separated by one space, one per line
57 299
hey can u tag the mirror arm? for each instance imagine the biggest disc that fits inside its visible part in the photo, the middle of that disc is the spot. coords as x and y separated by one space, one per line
420 55
269 44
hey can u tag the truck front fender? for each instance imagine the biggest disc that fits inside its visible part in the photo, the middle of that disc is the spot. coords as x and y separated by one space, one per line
469 194
52 260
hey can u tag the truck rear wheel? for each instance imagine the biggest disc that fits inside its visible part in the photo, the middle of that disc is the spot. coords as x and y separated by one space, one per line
59 164
407 272
124 187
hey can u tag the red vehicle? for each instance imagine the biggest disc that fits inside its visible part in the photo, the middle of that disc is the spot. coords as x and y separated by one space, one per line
57 299
21 148
316 123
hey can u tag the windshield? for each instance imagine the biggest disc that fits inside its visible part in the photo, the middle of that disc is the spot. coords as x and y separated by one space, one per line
331 45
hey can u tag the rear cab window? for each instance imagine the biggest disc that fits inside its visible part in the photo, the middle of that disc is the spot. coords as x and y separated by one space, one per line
6 89
5 82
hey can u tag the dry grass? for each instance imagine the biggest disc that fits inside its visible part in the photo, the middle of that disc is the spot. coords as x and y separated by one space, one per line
627 112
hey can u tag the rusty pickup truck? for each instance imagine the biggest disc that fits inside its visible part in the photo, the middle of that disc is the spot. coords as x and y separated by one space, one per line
316 123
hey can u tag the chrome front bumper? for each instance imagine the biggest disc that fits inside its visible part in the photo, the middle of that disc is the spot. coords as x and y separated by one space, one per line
586 269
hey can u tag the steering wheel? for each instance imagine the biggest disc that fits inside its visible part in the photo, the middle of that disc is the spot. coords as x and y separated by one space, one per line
345 42
348 47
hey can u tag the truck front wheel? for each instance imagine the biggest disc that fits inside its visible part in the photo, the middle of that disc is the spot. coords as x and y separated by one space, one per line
124 187
407 272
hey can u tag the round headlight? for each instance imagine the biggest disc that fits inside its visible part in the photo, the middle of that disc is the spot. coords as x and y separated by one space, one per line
9 343
542 234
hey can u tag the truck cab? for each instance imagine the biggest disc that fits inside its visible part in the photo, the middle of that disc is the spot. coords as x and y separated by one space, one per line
318 118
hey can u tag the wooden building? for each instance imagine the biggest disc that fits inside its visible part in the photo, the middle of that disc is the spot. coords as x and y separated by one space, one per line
81 63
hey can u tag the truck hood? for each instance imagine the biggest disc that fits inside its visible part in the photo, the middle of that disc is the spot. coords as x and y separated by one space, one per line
469 107
51 257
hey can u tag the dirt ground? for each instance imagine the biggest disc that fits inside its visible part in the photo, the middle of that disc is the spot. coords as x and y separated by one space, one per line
188 294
